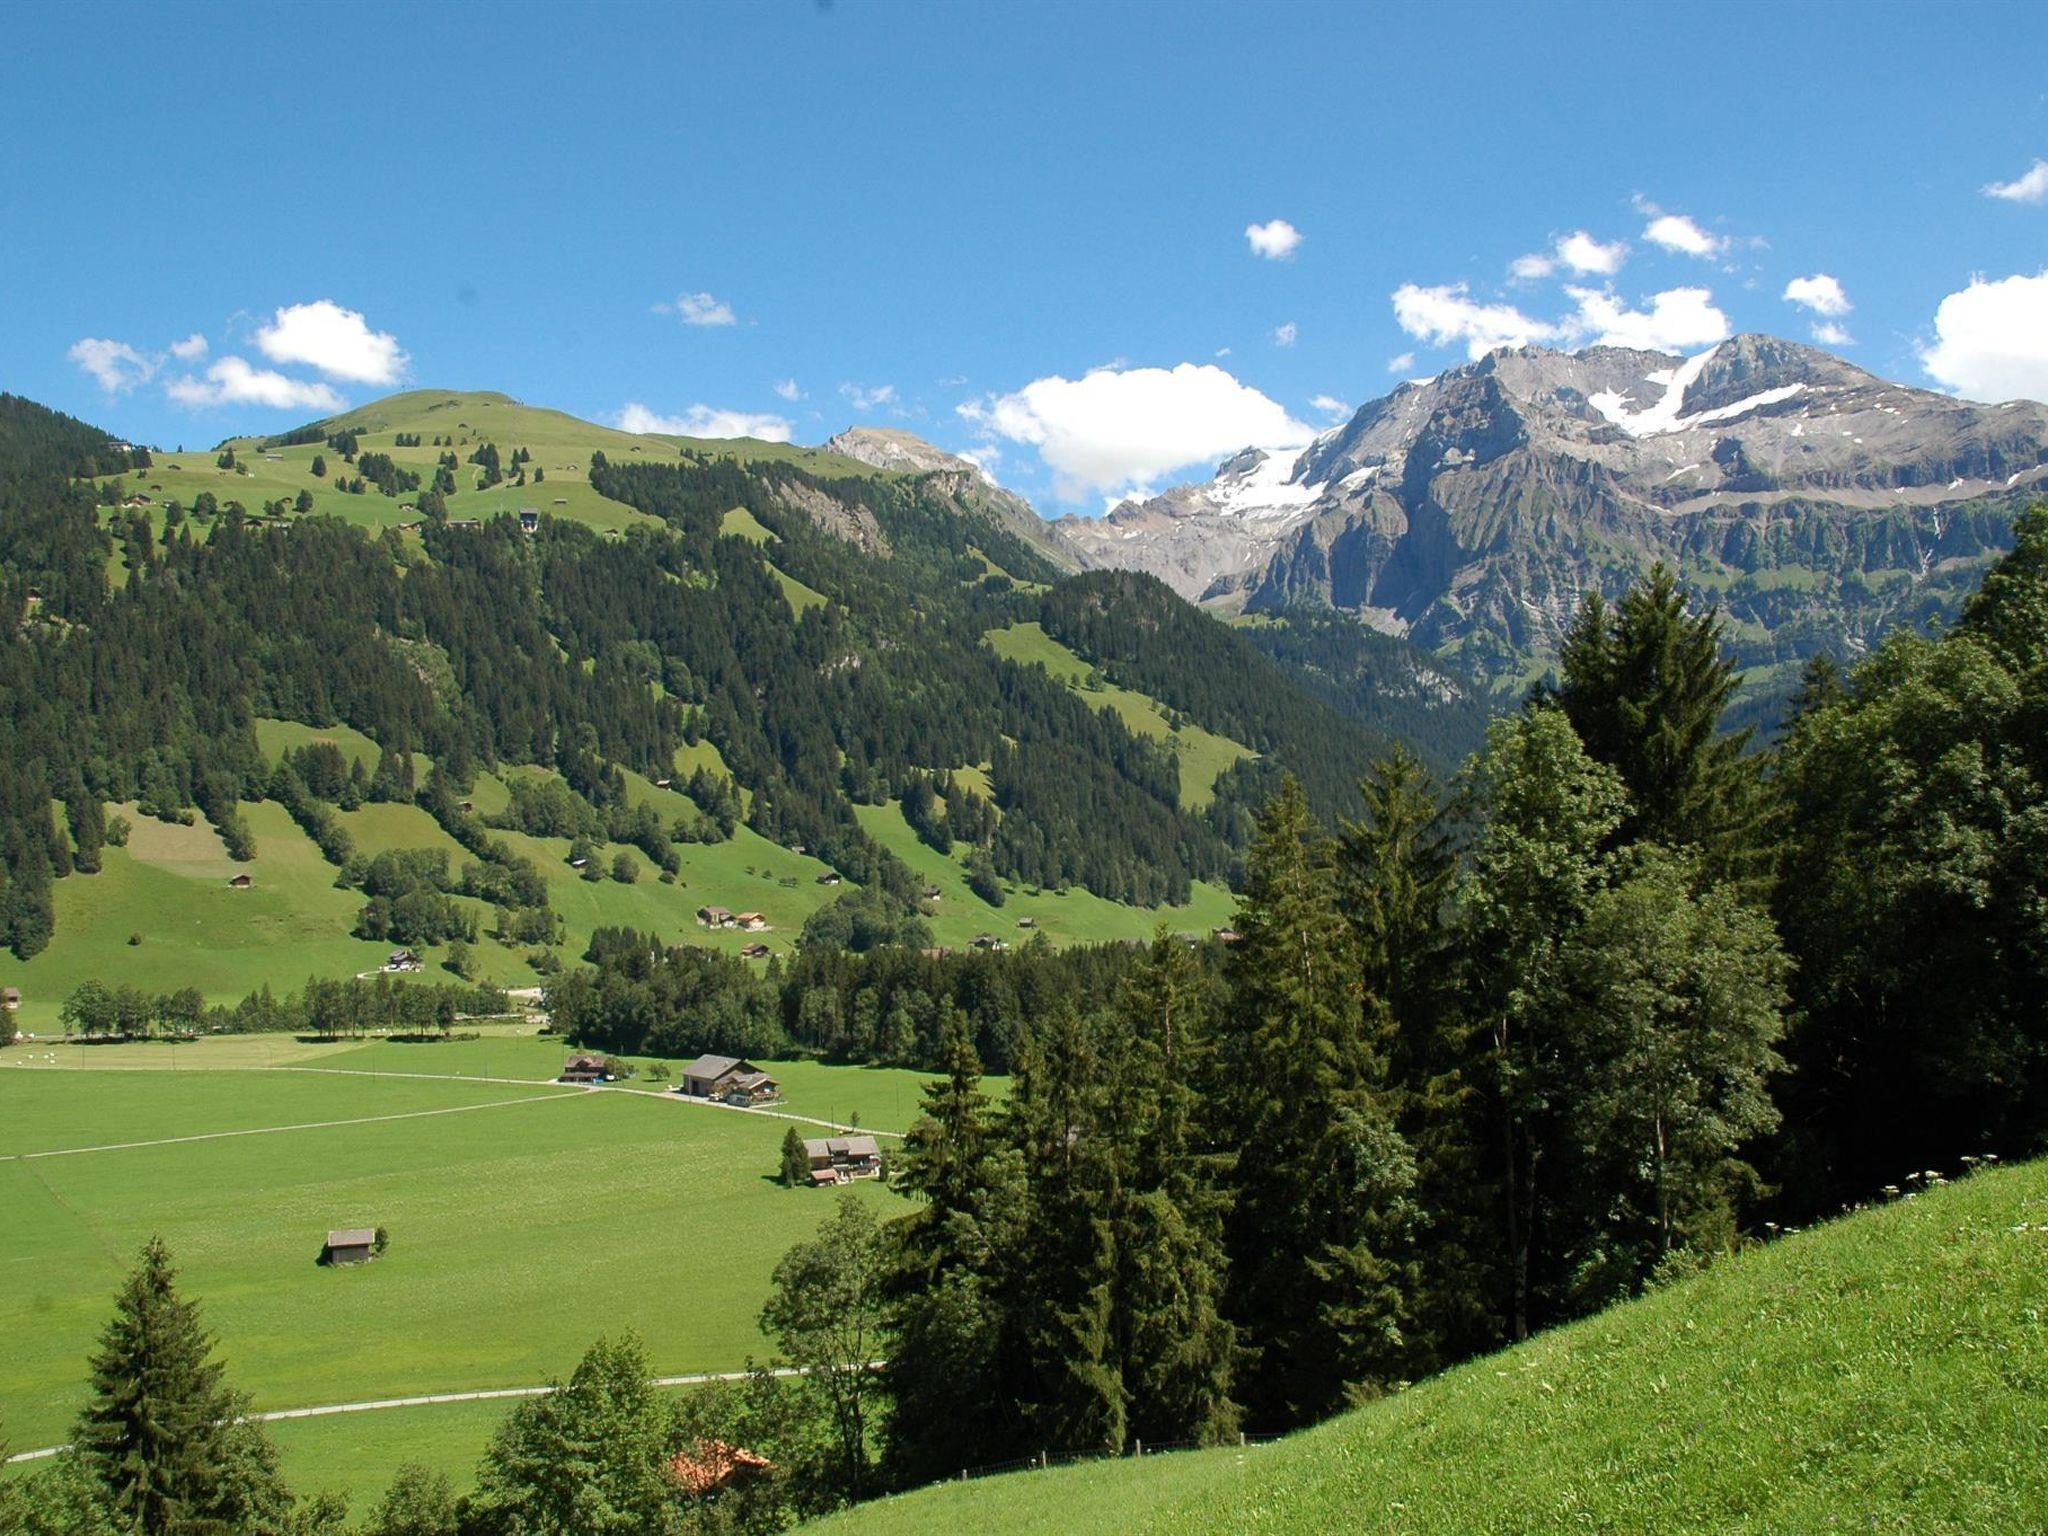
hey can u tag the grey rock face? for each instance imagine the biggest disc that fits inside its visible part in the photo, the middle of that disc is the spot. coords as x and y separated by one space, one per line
1817 502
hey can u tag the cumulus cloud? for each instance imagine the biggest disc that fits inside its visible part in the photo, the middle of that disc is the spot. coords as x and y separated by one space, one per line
1447 313
1331 406
190 350
1401 362
1115 430
337 341
1991 339
704 421
1286 335
1829 334
1676 232
864 397
2029 187
1820 293
1276 239
235 381
1588 257
787 389
699 309
1532 266
114 365
1677 320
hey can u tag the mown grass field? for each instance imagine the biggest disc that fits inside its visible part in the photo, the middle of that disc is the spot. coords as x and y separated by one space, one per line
1884 1372
526 1219
1202 754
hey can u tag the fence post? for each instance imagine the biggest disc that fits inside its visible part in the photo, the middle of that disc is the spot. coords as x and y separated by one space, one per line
1141 1447
1240 1439
1041 1461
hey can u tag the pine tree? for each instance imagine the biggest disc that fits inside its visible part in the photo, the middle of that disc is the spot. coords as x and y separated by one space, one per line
796 1162
1324 1180
1645 685
162 1432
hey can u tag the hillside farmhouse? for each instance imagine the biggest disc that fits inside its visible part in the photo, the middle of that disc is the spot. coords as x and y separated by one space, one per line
729 1080
842 1159
240 883
716 917
586 1069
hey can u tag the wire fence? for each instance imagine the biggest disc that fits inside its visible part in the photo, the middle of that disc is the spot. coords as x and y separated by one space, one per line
1045 1460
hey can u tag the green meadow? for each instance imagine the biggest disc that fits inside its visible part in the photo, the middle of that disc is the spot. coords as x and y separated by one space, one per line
526 1218
1883 1372
1202 754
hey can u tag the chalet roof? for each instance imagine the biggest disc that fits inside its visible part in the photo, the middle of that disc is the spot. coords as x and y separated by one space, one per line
755 1080
352 1237
583 1064
842 1146
715 1066
709 1465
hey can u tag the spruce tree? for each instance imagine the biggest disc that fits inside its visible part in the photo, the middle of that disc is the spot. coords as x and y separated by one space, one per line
796 1162
162 1433
1321 1225
1645 685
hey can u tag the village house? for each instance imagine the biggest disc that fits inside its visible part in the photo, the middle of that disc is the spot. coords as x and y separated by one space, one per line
830 877
1027 922
240 883
402 960
932 893
1227 935
988 941
715 917
586 1069
753 922
755 951
10 997
349 1245
842 1159
529 519
728 1080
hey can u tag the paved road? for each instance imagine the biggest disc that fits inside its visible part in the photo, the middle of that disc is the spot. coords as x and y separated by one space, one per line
486 1395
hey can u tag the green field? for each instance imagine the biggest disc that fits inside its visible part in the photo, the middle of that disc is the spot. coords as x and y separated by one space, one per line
1202 754
1884 1372
548 1214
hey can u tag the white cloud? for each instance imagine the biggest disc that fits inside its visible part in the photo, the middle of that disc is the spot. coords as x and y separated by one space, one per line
1276 239
1829 334
1992 339
704 421
114 365
233 381
787 389
1447 313
2030 187
699 309
1820 293
1286 335
1529 268
337 341
1676 232
1331 406
1678 320
984 457
190 350
1115 430
865 398
1587 256
1401 362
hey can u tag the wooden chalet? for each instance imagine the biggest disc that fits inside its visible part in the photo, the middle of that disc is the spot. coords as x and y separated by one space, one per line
349 1245
754 951
830 877
10 997
753 922
716 917
988 941
728 1080
240 883
529 519
402 960
842 1159
586 1069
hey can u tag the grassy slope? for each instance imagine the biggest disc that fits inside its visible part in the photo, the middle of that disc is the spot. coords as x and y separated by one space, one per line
1202 753
1073 917
1883 1372
561 446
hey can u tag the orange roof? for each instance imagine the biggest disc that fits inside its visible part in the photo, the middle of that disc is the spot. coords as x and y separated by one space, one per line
709 1465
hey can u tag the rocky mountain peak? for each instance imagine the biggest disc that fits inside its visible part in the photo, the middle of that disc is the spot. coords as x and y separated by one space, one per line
893 449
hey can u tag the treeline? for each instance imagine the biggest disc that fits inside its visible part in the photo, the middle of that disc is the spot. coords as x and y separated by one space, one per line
840 997
329 1008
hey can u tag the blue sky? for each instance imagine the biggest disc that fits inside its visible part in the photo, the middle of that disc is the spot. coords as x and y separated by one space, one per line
1020 230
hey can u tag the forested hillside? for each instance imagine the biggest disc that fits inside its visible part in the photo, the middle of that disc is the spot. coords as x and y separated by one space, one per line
685 647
